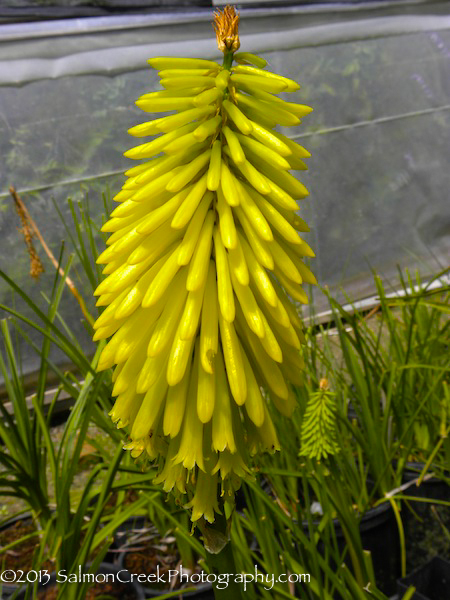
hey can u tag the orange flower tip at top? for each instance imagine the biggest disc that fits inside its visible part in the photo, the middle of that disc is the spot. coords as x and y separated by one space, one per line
226 25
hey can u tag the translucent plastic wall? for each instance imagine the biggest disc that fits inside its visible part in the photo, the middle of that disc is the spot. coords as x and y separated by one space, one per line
379 135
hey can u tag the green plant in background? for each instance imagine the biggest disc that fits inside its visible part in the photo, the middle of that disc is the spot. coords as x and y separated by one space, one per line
354 353
418 326
306 540
42 472
69 531
397 367
318 432
267 537
72 527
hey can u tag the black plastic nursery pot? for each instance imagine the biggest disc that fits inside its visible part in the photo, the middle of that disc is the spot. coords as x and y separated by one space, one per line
432 488
111 581
125 547
379 535
432 581
429 489
425 520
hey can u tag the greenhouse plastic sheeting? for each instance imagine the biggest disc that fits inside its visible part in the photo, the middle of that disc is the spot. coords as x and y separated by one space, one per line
379 82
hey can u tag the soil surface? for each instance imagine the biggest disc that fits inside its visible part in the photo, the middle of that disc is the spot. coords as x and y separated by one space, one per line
21 556
146 553
103 590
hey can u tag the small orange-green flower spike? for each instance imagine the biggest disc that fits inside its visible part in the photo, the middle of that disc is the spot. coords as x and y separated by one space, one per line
203 266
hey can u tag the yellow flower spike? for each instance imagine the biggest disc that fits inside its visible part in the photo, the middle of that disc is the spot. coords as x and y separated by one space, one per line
167 73
169 62
165 103
266 84
253 176
238 117
203 266
295 291
153 148
284 263
116 372
271 140
186 82
277 221
267 340
284 332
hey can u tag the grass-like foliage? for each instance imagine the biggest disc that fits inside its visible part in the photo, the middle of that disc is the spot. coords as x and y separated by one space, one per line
375 397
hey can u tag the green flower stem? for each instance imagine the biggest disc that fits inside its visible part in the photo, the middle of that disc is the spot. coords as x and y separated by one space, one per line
227 60
221 562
